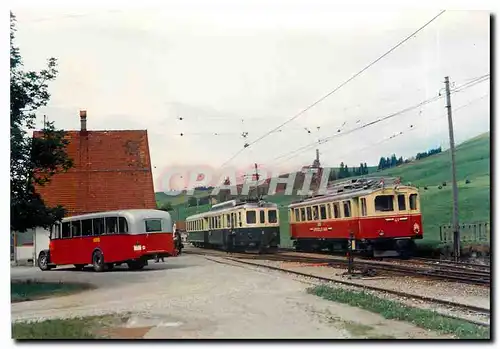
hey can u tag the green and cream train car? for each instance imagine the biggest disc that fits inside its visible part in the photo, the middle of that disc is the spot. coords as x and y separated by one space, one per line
236 225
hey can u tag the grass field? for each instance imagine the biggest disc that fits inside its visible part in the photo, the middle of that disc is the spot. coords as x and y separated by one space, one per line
27 290
473 163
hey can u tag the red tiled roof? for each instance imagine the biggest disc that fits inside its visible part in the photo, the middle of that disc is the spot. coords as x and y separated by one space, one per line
111 171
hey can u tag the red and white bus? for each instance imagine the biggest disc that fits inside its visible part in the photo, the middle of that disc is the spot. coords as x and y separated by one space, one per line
110 238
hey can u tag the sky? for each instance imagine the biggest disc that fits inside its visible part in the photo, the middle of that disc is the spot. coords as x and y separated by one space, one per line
249 68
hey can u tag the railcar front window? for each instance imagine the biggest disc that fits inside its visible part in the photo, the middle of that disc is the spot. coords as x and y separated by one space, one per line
297 215
272 216
153 225
384 203
309 214
251 217
413 201
401 202
262 217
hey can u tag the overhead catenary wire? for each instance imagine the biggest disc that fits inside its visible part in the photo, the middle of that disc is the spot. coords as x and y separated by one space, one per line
412 127
339 86
390 116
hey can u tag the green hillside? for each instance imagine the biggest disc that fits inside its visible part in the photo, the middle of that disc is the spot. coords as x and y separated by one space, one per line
473 163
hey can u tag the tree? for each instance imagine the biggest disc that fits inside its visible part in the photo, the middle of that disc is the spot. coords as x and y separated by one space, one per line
167 206
192 201
33 160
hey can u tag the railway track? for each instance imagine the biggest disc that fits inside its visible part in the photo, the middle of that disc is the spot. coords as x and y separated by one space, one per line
420 268
461 306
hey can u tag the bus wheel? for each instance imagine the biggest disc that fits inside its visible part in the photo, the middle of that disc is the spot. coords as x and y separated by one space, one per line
79 266
43 260
98 261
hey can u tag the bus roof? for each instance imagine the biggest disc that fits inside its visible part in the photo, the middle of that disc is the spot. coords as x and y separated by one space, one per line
132 213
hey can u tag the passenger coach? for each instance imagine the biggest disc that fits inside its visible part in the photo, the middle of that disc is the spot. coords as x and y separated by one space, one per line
110 238
238 225
383 219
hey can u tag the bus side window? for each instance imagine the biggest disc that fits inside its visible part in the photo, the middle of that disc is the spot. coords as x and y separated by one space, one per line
66 233
98 224
122 225
76 229
111 225
87 227
56 232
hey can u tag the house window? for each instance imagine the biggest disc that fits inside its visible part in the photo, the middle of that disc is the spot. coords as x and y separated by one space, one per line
322 212
401 202
153 225
251 217
363 207
347 208
87 227
272 216
413 202
384 203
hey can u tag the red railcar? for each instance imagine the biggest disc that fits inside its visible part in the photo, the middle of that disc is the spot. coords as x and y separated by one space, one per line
110 238
381 219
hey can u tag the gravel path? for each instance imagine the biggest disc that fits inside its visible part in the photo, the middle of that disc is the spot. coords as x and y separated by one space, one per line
451 291
192 297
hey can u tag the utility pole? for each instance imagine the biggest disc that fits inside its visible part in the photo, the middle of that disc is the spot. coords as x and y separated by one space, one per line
456 228
257 179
